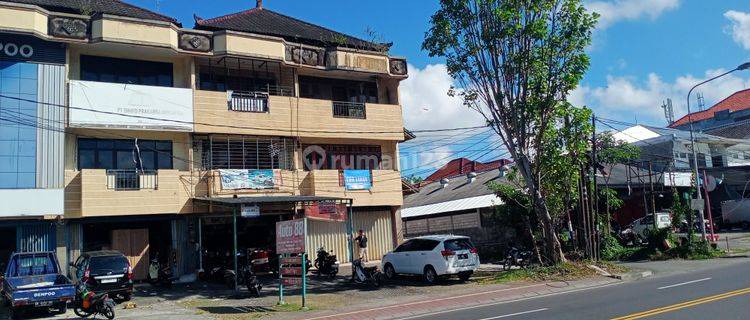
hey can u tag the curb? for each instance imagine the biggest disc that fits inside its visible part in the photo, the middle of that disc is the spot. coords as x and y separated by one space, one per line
632 276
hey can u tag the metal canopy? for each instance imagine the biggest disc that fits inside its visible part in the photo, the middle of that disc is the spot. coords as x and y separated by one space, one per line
268 199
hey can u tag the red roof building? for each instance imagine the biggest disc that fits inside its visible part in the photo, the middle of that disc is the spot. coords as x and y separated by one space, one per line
738 101
460 166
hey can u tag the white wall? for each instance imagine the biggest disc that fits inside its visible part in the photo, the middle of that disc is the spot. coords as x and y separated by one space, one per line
31 202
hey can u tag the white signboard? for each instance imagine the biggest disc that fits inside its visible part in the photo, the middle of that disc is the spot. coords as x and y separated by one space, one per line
250 211
113 105
678 179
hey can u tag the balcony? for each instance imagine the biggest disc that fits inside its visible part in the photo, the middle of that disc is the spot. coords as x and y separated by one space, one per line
351 110
132 180
314 118
127 106
96 193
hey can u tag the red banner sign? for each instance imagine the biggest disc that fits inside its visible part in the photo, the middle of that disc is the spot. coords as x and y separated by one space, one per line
326 210
291 260
291 271
291 281
290 236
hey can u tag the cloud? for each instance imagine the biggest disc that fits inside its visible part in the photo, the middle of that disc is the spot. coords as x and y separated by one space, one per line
427 105
627 98
612 12
740 28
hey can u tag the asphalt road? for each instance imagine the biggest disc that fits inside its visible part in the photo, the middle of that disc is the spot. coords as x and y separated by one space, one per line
714 293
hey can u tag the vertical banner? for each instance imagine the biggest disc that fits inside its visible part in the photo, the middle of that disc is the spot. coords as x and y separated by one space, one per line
357 180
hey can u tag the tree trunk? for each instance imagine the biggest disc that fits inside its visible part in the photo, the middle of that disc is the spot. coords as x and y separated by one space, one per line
530 230
552 243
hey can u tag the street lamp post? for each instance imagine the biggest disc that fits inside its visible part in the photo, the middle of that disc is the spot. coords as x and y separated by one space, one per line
743 66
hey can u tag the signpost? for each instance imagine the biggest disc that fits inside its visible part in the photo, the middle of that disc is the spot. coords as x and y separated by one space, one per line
290 245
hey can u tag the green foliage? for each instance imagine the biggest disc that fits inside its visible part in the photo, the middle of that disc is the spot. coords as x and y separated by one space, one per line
516 62
414 179
610 151
611 249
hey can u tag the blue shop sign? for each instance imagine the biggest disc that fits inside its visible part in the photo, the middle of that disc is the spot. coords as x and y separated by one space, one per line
357 180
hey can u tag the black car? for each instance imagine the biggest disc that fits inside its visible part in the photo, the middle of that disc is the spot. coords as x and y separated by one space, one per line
106 271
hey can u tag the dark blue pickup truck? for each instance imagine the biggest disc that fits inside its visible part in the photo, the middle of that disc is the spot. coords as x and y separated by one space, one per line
33 280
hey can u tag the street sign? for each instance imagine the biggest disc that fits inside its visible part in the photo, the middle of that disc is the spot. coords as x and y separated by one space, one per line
291 281
290 236
291 271
250 211
291 261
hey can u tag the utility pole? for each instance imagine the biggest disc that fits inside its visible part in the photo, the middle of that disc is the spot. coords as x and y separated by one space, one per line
743 66
594 196
653 199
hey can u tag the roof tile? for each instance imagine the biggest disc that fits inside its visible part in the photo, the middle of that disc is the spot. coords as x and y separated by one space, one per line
267 22
114 7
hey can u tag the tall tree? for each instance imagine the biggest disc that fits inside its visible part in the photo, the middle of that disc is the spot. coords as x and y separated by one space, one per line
516 61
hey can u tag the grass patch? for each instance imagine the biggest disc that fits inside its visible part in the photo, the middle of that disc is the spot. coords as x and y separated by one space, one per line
291 307
562 272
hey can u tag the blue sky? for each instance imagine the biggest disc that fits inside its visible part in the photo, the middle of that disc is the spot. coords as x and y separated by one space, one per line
644 51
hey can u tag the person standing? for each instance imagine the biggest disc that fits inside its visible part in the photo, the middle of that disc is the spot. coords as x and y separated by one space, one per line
361 241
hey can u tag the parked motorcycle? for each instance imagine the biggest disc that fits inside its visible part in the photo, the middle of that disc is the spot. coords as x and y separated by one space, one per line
158 274
362 274
250 280
88 303
516 257
326 263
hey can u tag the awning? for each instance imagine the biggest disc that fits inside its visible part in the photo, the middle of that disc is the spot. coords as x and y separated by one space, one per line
231 201
451 206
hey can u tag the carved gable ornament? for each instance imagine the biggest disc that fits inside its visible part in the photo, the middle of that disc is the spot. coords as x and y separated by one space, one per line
67 27
398 67
305 56
195 42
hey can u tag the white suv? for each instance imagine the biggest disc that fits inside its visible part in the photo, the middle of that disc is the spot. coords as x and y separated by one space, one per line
432 257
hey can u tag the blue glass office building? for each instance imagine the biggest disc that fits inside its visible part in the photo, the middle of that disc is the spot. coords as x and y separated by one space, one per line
32 126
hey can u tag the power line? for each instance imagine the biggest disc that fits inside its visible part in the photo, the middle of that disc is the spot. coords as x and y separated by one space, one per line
28 122
232 126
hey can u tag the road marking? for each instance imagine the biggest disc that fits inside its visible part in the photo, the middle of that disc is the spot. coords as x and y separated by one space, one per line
682 284
683 305
509 301
424 302
515 314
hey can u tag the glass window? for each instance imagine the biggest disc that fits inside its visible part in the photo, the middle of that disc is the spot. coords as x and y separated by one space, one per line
458 244
404 247
129 71
18 80
86 159
425 245
122 154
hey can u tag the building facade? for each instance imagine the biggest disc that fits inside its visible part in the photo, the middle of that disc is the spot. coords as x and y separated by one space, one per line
148 138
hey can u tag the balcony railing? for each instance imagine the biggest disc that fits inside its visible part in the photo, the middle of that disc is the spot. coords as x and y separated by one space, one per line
132 180
245 101
353 110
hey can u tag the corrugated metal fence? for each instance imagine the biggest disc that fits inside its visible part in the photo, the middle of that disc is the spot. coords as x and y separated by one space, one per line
36 237
51 131
332 235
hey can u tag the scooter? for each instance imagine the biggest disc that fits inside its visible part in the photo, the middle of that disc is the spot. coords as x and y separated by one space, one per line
88 303
326 263
362 274
250 280
516 257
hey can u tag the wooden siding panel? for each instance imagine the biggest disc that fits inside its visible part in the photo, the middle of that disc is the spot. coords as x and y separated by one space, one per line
314 119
